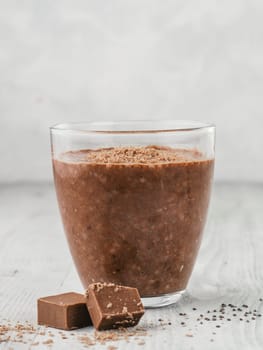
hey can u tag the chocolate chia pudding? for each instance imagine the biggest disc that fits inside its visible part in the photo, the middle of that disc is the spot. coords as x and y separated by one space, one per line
134 215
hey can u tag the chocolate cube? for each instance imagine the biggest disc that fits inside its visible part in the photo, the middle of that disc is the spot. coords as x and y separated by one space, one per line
113 306
64 311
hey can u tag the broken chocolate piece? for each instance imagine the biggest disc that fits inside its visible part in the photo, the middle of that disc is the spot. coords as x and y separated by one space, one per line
64 311
113 306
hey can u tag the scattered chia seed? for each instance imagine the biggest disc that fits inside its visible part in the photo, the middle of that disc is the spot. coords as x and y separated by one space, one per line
240 312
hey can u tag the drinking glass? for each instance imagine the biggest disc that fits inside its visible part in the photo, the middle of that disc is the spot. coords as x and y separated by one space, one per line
133 198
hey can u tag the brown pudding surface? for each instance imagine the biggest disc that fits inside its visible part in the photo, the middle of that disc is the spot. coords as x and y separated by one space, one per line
134 215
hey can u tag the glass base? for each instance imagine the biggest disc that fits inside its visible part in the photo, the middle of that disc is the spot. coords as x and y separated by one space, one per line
162 300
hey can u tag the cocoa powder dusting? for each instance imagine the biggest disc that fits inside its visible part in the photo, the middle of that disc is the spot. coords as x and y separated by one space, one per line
133 155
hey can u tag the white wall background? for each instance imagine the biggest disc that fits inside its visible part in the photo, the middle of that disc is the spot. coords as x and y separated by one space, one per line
73 60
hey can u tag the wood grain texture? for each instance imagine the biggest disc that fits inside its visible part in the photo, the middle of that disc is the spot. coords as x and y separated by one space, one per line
35 262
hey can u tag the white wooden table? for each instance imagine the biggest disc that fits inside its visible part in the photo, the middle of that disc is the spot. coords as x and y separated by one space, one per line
35 262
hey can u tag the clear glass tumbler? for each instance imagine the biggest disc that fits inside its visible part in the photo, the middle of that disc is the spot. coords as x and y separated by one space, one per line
133 197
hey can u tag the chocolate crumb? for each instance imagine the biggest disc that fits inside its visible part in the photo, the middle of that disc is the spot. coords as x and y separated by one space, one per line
85 340
141 342
124 310
47 342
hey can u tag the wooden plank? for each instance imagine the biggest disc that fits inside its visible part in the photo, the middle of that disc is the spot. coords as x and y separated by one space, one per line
35 261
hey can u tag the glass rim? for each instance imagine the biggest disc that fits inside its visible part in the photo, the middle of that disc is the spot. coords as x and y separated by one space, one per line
124 126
